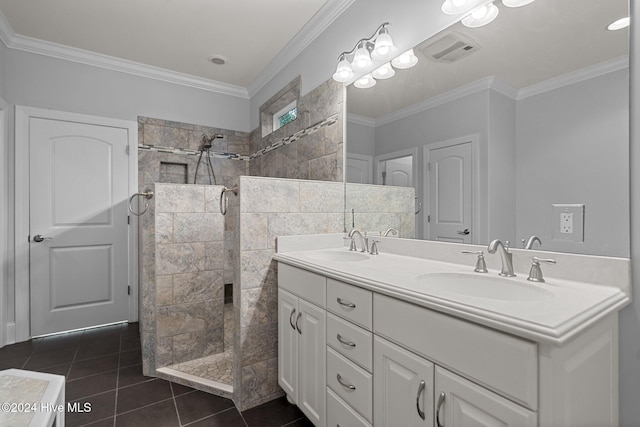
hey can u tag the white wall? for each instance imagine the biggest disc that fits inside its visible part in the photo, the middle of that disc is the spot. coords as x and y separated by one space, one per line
45 82
573 147
630 315
361 138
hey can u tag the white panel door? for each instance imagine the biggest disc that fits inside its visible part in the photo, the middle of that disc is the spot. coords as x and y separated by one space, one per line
359 169
312 358
461 403
450 193
398 172
78 179
402 387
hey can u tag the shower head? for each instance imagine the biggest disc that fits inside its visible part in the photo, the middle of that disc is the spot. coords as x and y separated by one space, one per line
206 140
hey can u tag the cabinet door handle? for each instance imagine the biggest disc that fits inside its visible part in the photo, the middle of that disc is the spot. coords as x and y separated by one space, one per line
345 342
298 320
420 391
440 403
343 384
346 303
293 312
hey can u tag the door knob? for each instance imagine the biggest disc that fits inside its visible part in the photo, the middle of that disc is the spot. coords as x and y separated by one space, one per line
464 232
39 238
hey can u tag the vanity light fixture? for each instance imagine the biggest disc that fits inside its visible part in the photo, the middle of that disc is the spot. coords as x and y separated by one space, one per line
365 82
406 60
619 24
457 7
378 47
481 15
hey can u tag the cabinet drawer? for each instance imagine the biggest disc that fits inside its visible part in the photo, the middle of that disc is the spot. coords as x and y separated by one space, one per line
350 340
352 383
339 414
302 283
501 362
351 302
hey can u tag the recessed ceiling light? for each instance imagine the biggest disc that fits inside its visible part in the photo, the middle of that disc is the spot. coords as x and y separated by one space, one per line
619 24
218 59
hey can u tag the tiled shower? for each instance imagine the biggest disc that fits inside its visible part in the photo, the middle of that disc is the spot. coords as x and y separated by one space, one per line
189 251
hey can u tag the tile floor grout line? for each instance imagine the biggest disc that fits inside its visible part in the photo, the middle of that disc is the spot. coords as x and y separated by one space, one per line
291 423
145 406
175 404
208 416
115 404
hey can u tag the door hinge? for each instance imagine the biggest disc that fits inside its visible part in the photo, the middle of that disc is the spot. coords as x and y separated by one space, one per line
128 219
128 290
127 150
429 219
429 166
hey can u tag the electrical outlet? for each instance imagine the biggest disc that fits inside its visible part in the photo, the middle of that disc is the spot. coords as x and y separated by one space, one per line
568 222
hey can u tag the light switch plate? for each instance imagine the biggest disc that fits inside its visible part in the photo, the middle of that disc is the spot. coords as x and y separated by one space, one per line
568 222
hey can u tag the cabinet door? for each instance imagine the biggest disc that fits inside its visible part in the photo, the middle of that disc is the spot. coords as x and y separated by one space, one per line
312 356
402 387
288 344
463 403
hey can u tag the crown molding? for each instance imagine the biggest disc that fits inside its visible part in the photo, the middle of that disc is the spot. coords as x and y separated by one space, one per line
574 77
6 32
328 13
435 101
361 120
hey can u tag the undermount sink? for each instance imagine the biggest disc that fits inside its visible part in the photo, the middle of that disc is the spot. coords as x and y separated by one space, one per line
338 256
481 286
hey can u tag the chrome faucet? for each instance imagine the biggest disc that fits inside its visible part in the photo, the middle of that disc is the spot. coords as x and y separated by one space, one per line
505 256
529 243
364 240
389 230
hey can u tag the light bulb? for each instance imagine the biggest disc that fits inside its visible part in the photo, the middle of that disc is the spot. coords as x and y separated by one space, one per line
481 15
385 71
344 72
384 48
457 7
516 3
365 82
406 60
361 58
619 24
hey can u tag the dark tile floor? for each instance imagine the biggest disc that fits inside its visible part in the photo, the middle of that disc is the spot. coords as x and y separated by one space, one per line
103 367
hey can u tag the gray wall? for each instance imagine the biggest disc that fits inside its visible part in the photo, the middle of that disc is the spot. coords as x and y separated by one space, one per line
3 65
361 138
573 147
630 316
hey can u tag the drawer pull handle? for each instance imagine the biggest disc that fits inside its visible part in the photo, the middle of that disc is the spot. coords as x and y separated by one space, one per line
343 384
298 320
345 342
293 312
420 391
440 403
346 303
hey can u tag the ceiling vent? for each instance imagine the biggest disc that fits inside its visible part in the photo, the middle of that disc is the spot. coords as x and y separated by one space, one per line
451 47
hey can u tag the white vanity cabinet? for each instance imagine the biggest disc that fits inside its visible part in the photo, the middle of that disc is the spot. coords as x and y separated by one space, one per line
375 359
302 340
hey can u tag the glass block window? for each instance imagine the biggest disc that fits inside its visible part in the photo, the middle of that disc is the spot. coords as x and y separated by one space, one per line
285 116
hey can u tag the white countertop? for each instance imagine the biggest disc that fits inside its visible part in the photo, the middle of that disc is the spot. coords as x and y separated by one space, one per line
558 310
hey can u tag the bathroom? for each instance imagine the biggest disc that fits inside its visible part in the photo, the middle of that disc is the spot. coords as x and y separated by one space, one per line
173 108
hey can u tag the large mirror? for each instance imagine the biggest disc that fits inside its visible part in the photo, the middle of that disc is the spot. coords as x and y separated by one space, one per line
510 130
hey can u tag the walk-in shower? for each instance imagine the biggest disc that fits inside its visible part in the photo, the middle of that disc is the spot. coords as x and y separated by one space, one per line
207 143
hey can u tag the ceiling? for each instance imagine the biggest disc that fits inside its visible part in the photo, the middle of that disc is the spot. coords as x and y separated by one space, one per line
522 47
174 35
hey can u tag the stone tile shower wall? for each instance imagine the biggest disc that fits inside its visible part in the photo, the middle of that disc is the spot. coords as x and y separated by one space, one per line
182 275
374 208
270 208
316 156
166 166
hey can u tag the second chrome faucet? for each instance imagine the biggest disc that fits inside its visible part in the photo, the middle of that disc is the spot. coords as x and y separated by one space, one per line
505 256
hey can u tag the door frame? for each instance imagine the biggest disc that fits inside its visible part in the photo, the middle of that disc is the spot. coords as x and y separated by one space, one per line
413 152
474 139
23 115
4 223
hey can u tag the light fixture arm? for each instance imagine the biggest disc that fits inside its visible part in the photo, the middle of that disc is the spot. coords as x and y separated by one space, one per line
369 42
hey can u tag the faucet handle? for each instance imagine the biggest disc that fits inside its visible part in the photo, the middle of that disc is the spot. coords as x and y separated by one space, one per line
374 247
481 266
535 274
352 242
506 245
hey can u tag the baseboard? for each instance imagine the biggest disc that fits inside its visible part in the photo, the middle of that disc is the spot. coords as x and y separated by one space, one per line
11 334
